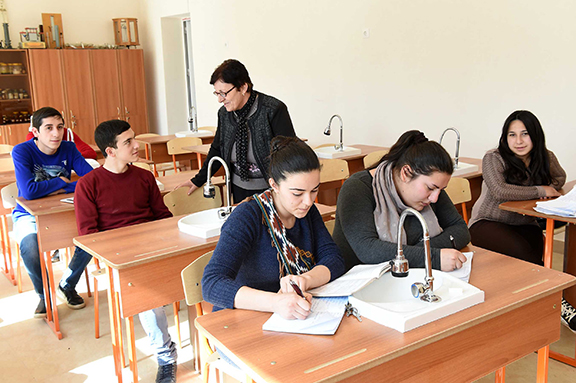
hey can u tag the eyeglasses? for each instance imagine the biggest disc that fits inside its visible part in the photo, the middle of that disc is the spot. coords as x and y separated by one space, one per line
223 94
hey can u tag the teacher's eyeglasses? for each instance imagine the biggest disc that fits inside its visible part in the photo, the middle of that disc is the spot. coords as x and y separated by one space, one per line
223 94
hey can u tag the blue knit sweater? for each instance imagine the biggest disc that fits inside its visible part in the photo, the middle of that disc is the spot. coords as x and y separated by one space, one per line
38 174
246 256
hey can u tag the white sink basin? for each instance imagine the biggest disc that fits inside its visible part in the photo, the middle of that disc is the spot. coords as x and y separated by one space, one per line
330 152
389 301
199 133
203 224
464 168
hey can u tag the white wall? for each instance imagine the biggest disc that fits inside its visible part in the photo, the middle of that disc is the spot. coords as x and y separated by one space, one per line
427 65
82 20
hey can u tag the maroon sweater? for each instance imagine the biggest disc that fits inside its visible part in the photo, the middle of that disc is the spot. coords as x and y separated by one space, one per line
105 200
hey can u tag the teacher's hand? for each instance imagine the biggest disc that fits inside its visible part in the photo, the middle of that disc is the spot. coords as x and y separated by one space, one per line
189 185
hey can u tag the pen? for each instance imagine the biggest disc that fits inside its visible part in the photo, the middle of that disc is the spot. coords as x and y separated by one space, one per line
453 242
297 289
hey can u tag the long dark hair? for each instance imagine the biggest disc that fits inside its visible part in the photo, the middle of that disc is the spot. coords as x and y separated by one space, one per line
423 156
538 170
289 155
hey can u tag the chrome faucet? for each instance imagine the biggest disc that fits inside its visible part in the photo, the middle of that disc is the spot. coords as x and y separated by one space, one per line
328 130
400 268
210 190
192 119
457 144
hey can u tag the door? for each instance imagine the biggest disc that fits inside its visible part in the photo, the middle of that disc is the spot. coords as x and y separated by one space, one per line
133 89
81 116
106 84
47 78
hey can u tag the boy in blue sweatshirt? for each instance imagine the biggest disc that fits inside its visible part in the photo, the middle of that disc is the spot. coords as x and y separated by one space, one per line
43 167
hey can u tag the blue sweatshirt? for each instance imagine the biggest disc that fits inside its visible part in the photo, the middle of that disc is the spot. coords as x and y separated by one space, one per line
38 174
246 256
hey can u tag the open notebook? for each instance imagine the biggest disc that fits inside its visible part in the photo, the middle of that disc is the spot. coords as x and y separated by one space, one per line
324 319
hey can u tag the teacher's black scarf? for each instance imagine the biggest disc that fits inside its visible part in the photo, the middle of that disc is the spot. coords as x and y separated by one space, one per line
242 137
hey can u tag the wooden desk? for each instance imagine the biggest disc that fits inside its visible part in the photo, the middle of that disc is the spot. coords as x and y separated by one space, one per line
56 224
144 273
159 150
475 179
520 314
527 208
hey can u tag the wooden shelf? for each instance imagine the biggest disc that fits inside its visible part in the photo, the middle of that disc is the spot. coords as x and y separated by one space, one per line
16 100
13 75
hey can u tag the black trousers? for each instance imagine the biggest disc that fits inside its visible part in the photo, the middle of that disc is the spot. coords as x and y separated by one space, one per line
523 242
239 194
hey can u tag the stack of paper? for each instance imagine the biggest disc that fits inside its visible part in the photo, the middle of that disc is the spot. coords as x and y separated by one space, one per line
564 206
324 319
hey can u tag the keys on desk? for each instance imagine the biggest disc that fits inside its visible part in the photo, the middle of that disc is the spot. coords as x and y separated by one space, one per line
351 310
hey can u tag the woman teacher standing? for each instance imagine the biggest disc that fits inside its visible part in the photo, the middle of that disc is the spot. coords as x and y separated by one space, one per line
247 122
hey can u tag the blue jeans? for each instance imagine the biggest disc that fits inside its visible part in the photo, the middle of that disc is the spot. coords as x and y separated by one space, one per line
155 324
25 231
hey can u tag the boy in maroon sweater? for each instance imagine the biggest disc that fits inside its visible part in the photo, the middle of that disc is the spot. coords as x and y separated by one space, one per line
117 195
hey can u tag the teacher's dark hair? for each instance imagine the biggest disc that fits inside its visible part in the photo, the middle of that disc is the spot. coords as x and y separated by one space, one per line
423 156
106 134
516 172
43 113
290 155
232 72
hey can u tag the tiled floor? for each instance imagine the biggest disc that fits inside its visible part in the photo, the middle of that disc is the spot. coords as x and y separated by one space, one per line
30 352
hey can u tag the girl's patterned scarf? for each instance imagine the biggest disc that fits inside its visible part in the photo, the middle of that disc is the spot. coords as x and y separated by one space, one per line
291 260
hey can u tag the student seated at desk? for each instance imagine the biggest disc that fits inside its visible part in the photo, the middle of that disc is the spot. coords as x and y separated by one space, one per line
521 168
118 194
275 237
413 174
43 167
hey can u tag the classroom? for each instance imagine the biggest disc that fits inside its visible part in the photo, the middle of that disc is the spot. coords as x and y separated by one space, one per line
383 68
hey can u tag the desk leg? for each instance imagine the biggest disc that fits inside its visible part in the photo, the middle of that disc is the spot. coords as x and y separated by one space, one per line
542 372
113 324
7 251
549 243
120 342
500 375
50 295
132 348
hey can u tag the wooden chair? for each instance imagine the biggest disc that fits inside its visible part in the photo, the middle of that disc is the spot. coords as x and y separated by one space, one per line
5 148
175 148
179 202
210 128
191 280
147 148
9 194
374 157
458 190
143 165
332 175
330 225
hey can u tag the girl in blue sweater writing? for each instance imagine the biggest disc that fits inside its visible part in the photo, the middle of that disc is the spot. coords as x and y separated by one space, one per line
273 238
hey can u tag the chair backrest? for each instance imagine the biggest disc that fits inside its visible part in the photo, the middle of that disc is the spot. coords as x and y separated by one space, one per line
144 135
142 165
458 190
210 128
175 145
333 170
330 225
192 278
5 148
374 157
179 202
9 194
